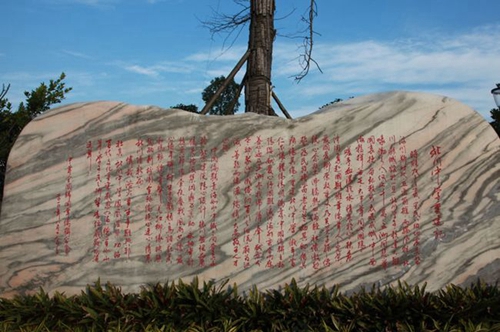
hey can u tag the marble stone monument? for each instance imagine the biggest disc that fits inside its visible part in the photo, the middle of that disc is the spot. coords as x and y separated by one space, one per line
392 186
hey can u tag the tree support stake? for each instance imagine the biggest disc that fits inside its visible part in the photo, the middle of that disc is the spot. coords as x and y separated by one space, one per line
231 76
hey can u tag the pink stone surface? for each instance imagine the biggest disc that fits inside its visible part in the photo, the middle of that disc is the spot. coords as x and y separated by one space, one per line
387 187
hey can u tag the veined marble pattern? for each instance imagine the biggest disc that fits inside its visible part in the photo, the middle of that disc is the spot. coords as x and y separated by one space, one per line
387 187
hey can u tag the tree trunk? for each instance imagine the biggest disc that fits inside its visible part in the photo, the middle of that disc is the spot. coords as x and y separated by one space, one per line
258 86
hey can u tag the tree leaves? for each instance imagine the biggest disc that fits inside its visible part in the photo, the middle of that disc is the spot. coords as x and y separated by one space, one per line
222 105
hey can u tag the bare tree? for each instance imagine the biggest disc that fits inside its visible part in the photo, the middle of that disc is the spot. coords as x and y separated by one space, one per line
261 15
306 58
260 45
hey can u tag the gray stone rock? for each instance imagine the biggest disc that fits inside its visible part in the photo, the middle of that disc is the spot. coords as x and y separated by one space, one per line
387 187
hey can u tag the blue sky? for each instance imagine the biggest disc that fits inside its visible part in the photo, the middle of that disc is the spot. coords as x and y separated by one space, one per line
157 52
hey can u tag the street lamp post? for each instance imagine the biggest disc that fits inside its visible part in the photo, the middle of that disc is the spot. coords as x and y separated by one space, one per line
496 94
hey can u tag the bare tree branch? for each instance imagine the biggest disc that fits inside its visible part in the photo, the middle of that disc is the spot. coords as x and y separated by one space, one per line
228 23
305 59
4 91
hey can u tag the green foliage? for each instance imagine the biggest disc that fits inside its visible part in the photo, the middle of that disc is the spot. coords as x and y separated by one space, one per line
190 108
335 101
43 97
12 123
211 306
495 115
223 104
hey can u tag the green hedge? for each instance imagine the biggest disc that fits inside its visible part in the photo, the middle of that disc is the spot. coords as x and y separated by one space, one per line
219 307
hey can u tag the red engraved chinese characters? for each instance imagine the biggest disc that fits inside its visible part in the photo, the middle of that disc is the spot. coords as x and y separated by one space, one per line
280 186
435 155
63 237
292 206
268 179
214 202
57 239
308 201
159 225
202 204
236 206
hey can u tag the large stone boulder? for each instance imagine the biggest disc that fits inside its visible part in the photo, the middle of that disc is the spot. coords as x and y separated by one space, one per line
393 186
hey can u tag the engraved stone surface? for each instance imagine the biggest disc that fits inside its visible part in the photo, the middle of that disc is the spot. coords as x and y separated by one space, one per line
386 187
